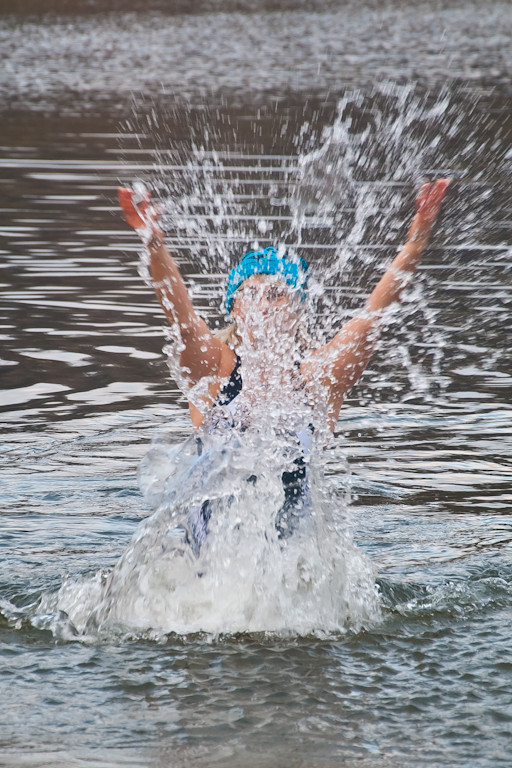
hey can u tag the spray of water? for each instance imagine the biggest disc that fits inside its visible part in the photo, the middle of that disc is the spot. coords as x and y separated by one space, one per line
221 551
230 546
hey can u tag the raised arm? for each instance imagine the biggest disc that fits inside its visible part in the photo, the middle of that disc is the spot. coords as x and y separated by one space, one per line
202 354
344 358
397 277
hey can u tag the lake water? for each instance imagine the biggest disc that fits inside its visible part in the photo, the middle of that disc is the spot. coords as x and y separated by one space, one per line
315 127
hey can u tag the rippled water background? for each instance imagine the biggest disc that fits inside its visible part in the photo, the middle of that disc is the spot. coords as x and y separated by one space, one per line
89 100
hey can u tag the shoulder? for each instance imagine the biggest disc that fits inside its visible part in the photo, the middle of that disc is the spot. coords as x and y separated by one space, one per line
227 369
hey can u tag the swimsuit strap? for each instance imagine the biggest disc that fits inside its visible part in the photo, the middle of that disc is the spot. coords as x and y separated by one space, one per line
233 387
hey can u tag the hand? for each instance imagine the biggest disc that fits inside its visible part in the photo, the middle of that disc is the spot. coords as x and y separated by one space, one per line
428 205
138 211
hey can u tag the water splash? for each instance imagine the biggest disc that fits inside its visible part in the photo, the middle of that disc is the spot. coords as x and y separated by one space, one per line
346 196
241 574
246 535
342 198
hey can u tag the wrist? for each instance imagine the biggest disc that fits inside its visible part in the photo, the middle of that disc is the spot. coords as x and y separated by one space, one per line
419 231
154 238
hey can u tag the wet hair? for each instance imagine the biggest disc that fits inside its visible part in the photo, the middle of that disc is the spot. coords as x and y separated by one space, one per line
229 335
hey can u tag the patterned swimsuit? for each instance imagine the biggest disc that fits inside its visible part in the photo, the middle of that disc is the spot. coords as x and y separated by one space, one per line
295 480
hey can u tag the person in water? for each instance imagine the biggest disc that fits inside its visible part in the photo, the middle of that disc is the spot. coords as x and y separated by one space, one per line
263 360
265 283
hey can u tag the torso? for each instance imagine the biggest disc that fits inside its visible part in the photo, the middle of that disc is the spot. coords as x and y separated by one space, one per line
288 426
223 388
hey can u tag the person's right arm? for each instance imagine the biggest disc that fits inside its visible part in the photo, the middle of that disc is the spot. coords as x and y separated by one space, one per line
202 353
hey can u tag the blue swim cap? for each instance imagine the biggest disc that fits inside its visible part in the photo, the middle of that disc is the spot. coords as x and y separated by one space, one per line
267 262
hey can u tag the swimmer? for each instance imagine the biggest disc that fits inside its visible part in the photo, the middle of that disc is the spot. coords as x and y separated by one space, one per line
260 367
266 288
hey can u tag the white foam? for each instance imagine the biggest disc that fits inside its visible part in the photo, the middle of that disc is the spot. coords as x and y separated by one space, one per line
245 579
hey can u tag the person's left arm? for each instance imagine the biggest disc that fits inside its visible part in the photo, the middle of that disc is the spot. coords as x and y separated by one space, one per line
341 362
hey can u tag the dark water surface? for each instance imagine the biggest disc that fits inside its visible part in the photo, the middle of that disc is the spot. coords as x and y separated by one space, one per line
91 100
